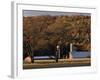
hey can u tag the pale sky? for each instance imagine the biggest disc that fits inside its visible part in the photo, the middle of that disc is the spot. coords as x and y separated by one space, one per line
51 13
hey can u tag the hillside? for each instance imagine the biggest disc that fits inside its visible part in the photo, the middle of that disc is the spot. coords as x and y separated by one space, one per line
41 32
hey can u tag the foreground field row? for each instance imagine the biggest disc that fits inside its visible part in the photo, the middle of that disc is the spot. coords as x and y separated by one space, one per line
61 63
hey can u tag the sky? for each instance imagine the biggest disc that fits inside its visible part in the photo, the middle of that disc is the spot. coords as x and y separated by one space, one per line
51 13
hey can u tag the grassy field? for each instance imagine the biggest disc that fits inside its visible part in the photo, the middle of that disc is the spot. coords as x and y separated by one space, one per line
61 63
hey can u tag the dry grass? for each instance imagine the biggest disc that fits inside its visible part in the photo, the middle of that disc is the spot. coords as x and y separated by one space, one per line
61 63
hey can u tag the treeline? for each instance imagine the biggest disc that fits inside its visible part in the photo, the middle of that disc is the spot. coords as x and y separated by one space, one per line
42 31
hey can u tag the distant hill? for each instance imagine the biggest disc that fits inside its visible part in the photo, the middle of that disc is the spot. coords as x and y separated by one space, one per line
42 31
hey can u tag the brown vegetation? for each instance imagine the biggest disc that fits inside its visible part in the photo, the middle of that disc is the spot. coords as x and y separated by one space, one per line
43 30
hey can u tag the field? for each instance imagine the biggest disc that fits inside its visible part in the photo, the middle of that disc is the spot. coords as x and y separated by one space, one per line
61 63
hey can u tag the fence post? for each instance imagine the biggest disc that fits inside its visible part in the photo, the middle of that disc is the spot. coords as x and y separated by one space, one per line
70 53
